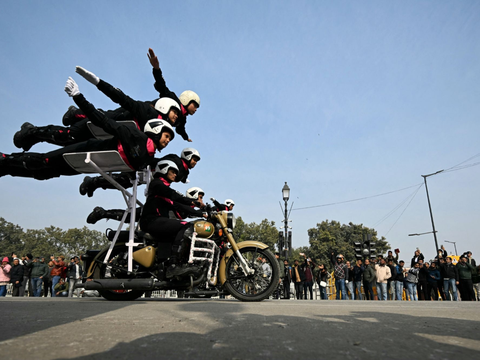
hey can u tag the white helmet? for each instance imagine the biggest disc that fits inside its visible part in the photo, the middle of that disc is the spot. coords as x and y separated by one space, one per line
187 96
163 166
165 104
229 202
155 127
193 193
187 154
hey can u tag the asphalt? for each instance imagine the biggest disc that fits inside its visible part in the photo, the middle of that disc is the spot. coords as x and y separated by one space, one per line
93 328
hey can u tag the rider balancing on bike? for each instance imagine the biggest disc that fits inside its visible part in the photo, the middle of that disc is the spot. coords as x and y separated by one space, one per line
137 148
155 215
188 160
187 104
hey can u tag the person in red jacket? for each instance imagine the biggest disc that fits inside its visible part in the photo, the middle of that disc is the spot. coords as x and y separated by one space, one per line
57 271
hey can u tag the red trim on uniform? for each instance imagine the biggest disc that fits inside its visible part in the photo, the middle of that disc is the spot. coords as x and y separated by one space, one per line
138 126
122 154
80 116
184 111
150 147
185 165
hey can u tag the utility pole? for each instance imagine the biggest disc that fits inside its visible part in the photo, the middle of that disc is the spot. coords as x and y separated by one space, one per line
430 207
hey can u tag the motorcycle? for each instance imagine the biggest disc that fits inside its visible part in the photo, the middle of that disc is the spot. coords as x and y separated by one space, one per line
217 264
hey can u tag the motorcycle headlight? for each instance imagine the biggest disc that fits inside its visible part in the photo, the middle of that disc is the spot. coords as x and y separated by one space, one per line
231 221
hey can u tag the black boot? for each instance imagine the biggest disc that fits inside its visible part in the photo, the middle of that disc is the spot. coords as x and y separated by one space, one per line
22 138
72 115
89 184
97 214
87 187
30 135
100 213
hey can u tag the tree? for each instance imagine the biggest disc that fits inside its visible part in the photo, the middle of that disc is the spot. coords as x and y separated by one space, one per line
11 238
332 236
48 241
265 232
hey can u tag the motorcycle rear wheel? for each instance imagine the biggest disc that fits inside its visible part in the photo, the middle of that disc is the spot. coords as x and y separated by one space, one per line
255 287
103 271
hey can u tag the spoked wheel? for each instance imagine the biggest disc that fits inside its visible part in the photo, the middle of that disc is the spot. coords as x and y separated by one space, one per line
258 286
113 270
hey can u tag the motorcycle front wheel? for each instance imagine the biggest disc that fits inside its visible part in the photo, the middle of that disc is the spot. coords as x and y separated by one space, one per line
112 270
257 286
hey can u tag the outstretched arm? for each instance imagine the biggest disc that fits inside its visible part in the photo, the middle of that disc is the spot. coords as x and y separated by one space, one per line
95 116
115 94
160 84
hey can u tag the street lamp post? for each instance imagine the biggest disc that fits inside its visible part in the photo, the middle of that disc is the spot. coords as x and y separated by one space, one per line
286 196
430 207
454 244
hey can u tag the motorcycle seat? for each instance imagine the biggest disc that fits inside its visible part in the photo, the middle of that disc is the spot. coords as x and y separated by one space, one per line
101 134
109 160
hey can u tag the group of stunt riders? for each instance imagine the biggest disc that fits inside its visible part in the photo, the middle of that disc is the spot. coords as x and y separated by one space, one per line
165 209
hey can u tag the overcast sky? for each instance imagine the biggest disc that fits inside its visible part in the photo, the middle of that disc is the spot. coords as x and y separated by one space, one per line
341 99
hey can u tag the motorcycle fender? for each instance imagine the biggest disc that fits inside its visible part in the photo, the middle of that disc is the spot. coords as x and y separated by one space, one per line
100 255
223 263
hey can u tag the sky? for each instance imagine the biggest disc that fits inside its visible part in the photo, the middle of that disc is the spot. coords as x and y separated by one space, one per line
342 100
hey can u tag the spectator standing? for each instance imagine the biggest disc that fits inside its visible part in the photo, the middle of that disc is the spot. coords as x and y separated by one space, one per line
308 267
349 280
75 274
16 276
399 279
422 285
281 266
476 281
322 280
465 279
47 280
391 281
450 280
56 272
393 258
38 271
339 272
298 277
368 279
440 282
432 281
470 260
382 272
417 256
412 280
441 254
358 270
287 280
4 276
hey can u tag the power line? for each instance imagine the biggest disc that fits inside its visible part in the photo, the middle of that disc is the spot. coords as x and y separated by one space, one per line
397 207
473 157
416 191
363 198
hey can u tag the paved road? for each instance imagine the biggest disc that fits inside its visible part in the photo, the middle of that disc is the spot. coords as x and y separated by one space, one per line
93 328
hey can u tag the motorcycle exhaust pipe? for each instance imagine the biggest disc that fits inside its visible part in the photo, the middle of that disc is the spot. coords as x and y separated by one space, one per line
119 284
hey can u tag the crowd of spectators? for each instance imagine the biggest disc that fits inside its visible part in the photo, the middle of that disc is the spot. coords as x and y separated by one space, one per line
35 277
385 278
